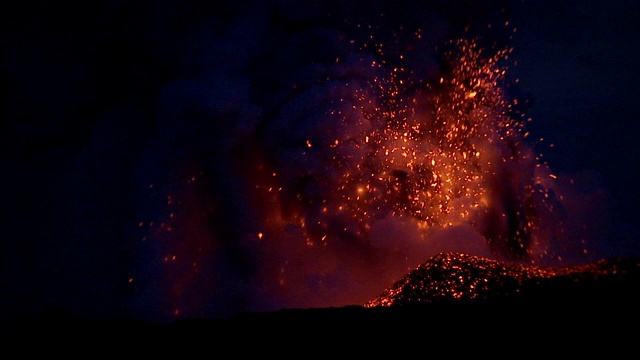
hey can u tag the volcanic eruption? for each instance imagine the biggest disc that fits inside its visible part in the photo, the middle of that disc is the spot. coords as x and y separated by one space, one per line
393 148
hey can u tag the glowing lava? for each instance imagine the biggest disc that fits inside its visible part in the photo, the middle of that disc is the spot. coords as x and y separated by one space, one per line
354 181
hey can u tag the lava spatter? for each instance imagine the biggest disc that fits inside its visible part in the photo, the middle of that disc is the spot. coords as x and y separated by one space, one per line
357 178
442 153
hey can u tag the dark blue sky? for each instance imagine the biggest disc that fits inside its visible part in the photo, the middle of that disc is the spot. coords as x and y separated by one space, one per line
124 116
578 61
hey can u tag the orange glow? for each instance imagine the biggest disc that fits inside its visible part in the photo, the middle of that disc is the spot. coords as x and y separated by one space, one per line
437 167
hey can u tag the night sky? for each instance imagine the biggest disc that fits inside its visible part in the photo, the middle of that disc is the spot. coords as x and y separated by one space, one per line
175 159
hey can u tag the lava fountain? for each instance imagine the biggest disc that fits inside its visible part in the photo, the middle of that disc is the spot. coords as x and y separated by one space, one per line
390 166
355 179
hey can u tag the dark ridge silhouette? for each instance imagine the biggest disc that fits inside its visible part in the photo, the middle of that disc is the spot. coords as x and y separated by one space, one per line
450 297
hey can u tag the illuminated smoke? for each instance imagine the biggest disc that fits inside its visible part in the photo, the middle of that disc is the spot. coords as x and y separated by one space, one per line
382 170
328 192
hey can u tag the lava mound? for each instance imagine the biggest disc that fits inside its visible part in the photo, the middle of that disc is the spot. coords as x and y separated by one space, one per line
457 278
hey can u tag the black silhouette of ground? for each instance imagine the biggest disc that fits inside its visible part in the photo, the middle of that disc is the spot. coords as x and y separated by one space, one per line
578 309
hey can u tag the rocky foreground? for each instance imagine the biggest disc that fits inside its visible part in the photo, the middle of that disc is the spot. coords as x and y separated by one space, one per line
451 298
458 278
